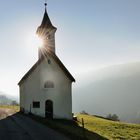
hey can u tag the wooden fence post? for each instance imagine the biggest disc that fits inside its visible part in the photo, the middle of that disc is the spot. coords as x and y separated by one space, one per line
83 128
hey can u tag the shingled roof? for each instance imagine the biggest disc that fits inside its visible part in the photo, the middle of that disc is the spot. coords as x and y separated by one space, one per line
57 60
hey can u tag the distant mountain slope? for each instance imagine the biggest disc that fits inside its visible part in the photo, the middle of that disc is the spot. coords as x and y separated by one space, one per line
115 89
5 99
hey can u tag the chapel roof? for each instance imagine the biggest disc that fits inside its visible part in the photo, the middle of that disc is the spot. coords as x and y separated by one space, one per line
56 59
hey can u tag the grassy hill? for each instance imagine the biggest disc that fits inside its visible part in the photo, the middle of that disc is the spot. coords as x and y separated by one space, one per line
12 107
110 129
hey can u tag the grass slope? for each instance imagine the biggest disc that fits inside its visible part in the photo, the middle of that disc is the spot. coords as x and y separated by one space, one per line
12 107
110 129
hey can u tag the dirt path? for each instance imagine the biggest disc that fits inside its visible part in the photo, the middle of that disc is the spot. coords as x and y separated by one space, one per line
19 127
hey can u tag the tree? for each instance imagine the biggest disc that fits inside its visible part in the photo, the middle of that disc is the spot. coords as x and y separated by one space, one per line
84 112
113 117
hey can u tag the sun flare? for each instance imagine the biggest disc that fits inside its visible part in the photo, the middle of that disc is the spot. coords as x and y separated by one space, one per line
38 42
34 41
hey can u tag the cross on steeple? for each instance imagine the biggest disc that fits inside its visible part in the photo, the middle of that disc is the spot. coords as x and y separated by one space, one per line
45 4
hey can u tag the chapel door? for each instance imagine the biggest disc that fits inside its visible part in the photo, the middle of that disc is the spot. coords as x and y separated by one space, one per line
49 109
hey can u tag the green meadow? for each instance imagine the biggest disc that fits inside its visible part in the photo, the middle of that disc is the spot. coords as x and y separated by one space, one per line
110 129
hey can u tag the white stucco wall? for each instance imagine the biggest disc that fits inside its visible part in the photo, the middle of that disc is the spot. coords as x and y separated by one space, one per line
32 89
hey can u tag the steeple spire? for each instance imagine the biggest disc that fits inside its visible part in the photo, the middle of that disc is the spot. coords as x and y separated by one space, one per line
46 22
47 32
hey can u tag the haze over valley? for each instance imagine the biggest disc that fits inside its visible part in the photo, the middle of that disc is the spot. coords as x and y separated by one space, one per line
114 89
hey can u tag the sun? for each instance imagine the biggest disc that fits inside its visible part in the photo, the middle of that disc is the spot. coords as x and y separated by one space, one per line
34 41
38 41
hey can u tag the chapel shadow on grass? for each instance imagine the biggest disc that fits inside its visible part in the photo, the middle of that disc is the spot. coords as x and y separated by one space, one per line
68 128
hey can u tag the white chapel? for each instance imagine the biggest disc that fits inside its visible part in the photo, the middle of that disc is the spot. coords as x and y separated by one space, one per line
46 89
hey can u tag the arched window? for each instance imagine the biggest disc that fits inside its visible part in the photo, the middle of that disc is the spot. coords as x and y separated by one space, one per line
48 84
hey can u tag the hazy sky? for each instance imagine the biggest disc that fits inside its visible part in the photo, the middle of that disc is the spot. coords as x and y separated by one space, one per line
91 34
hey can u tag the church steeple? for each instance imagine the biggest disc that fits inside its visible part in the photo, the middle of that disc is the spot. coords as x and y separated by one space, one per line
46 31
